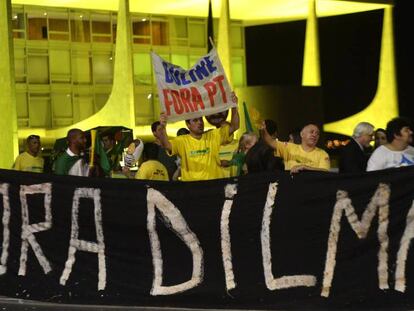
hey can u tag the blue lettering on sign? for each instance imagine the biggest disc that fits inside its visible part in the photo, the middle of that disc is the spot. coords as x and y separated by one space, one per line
168 77
202 70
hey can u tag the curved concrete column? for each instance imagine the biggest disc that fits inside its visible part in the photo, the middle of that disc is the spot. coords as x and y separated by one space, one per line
119 109
9 147
311 69
223 44
384 106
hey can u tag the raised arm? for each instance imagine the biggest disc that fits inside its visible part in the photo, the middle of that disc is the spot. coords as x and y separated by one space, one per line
235 118
266 136
162 135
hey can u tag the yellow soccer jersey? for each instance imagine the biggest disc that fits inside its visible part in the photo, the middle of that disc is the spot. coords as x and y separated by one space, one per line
200 157
28 163
294 154
152 170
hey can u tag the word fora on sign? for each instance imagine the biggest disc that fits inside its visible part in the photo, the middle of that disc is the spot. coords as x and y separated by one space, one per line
189 99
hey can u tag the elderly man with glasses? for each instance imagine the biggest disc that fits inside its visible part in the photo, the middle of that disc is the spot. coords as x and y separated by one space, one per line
30 160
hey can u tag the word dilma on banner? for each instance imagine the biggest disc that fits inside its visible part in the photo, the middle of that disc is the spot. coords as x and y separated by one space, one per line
201 71
190 100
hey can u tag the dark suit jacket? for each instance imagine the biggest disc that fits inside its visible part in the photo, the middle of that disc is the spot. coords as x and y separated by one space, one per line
352 159
260 158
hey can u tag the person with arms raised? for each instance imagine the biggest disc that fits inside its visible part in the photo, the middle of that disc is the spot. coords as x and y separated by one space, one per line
199 150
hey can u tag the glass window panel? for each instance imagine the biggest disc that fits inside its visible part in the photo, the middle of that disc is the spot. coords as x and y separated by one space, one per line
21 107
236 37
39 111
18 24
141 26
20 65
58 21
142 68
37 25
18 35
144 108
62 110
38 69
179 31
102 65
60 65
101 24
159 32
81 68
141 30
80 27
237 71
101 27
197 35
84 104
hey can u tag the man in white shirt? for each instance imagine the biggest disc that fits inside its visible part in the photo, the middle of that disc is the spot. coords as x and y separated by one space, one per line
397 152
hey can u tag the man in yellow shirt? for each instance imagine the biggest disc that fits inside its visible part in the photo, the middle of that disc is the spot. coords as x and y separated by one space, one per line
151 168
199 150
304 156
30 160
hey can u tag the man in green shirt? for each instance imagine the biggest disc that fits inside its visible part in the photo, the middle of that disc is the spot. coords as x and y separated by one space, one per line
71 162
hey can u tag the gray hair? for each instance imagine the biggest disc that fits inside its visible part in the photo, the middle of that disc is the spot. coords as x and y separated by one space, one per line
363 128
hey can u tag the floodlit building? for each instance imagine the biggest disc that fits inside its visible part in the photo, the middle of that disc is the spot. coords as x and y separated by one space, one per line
84 64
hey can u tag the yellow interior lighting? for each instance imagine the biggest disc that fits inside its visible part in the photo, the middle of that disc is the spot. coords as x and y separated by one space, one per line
251 12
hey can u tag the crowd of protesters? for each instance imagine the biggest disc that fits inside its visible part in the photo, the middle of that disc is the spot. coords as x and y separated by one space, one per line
195 153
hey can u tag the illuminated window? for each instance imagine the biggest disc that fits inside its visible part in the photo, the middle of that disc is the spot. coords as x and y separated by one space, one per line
22 109
103 69
142 68
101 27
62 109
20 65
197 33
236 35
38 66
179 31
237 71
159 31
58 25
59 66
37 25
80 27
81 67
18 23
141 32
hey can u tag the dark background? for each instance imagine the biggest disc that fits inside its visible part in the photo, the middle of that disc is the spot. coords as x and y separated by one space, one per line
349 58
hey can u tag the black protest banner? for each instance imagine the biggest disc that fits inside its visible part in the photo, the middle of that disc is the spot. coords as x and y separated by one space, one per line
260 241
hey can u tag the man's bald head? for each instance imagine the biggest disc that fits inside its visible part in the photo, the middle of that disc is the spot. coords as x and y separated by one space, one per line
76 140
310 135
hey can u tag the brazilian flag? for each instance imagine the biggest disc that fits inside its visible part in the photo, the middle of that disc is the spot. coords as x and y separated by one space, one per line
104 162
247 121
